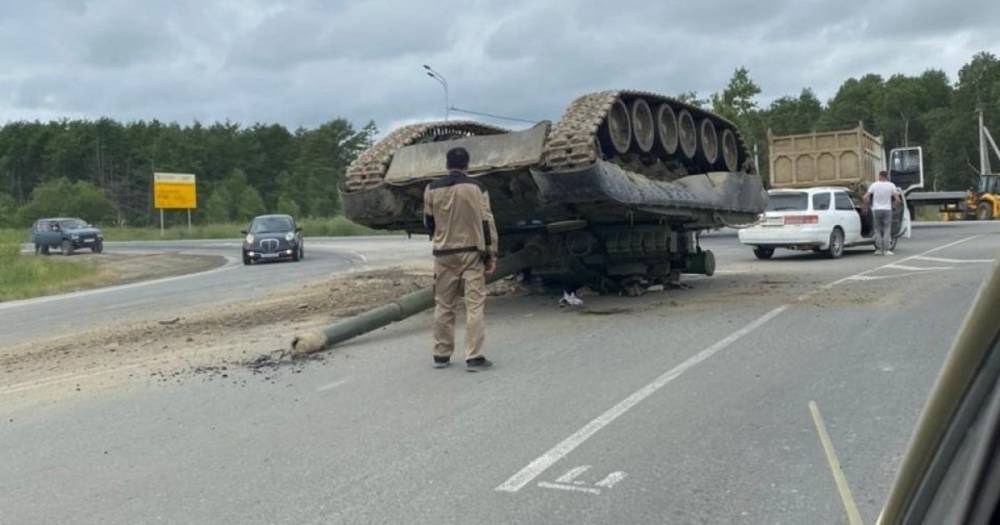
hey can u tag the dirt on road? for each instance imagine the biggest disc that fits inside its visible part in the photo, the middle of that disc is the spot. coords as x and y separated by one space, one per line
211 340
120 268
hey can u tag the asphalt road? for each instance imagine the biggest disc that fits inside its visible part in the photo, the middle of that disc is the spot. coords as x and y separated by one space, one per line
688 406
66 314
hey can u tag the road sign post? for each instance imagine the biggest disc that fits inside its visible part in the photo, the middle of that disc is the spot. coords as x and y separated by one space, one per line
174 191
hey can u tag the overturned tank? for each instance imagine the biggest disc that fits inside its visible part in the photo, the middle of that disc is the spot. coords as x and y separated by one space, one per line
615 193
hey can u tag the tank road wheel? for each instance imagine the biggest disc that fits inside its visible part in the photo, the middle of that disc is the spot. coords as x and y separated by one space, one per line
687 134
666 128
643 129
763 252
730 151
836 247
708 142
616 132
984 212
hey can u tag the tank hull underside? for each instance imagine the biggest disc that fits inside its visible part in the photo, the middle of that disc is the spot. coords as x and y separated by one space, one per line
619 217
601 193
597 224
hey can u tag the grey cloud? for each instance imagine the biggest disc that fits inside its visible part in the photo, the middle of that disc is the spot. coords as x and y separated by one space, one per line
361 30
302 62
127 46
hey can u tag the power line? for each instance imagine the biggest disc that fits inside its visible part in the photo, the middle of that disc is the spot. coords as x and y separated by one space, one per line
490 115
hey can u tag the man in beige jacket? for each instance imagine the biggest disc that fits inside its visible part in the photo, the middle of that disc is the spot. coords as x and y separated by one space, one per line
457 214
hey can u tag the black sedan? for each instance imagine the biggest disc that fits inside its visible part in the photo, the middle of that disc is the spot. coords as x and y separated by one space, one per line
272 237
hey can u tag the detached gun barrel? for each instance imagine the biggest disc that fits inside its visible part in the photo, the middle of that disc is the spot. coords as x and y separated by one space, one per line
406 306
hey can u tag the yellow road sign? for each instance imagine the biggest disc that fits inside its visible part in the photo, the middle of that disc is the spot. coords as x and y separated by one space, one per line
174 191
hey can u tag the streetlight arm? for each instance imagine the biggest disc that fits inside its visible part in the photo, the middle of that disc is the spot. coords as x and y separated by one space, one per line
444 84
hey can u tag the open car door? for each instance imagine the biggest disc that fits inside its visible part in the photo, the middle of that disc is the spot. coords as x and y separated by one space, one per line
906 170
951 470
901 220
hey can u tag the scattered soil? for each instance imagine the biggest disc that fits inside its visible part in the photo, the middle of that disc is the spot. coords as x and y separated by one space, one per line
246 341
214 343
119 268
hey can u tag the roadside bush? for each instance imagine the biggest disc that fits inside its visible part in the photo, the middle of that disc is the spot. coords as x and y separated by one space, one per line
288 207
62 198
218 206
338 226
249 205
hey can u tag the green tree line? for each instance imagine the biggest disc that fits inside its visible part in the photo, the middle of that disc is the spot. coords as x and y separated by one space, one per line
927 110
102 170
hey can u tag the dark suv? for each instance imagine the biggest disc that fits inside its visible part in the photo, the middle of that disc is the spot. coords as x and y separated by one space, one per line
272 237
67 234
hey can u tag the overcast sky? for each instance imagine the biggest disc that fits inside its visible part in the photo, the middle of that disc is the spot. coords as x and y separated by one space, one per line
302 62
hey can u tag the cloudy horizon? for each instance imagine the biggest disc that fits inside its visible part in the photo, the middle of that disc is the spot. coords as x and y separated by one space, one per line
302 63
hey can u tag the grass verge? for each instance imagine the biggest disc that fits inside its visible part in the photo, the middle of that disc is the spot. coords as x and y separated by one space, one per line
23 276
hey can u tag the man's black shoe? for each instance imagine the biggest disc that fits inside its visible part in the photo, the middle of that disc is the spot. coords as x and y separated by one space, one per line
441 362
477 364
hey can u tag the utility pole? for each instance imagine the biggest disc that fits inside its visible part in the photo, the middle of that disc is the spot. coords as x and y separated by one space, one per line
984 154
906 130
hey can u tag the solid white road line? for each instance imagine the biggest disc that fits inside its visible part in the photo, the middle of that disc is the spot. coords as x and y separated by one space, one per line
611 480
918 268
572 474
953 261
556 453
853 516
65 378
546 460
569 488
880 277
334 384
910 258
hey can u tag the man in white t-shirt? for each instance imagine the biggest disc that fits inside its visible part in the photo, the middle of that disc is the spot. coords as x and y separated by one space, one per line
880 196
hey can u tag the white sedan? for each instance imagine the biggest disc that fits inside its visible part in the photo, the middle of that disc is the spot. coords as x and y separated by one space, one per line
819 219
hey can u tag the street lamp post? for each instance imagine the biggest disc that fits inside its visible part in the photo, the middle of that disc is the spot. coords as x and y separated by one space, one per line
444 83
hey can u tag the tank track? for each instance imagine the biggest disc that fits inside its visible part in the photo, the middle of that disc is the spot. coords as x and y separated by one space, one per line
573 141
370 167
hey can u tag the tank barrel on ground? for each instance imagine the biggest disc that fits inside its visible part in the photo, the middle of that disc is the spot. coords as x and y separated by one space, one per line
406 306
